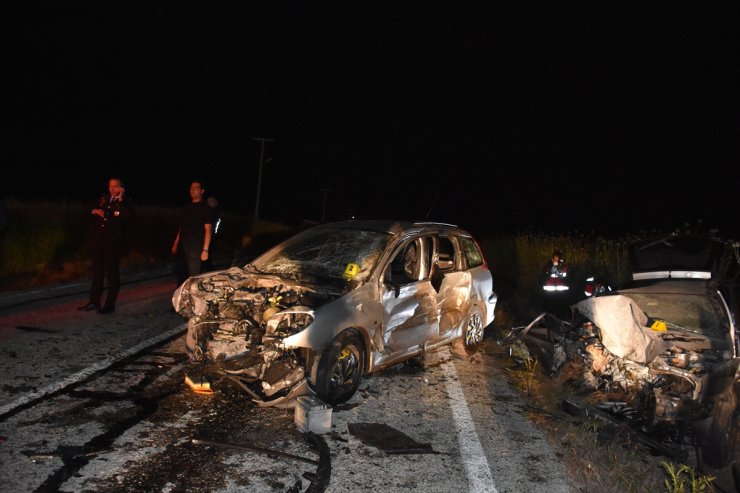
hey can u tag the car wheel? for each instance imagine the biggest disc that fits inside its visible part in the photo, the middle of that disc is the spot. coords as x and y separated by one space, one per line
719 443
340 368
473 330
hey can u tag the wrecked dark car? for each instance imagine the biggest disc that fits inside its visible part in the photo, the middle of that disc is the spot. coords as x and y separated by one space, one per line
663 350
335 302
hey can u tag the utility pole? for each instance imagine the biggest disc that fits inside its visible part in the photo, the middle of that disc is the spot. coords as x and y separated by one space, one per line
429 211
259 178
323 208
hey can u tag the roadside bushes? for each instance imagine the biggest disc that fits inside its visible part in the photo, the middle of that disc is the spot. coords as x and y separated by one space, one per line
40 234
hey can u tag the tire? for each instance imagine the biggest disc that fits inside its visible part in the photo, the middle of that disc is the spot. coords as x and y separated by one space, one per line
719 443
473 330
341 367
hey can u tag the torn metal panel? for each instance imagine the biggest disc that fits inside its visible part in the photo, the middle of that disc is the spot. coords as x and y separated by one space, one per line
453 299
411 316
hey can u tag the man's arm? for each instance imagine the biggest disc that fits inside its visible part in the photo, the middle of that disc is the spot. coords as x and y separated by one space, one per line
124 209
206 241
176 242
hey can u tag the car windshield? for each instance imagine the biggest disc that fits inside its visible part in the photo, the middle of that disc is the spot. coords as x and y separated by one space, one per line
325 255
690 312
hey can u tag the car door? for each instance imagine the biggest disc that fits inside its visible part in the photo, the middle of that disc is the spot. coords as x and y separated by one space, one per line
452 283
409 300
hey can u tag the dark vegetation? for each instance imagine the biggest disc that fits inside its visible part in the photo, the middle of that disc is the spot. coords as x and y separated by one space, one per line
46 242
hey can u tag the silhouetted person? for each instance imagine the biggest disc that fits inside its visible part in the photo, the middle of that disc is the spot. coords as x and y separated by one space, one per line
193 239
110 218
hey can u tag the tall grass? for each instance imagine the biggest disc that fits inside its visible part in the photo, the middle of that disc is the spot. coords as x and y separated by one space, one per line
40 234
518 263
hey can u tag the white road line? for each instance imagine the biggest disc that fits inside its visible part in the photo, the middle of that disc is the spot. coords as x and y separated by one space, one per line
471 451
90 370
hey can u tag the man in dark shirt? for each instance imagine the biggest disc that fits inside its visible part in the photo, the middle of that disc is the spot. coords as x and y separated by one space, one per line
110 218
193 238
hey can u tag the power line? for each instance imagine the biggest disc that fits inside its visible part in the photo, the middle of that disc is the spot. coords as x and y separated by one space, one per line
259 177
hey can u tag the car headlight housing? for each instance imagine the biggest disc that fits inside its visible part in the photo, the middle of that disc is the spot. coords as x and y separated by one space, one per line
181 300
289 321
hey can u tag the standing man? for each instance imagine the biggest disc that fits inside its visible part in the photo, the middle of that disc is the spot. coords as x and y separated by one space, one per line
193 238
110 218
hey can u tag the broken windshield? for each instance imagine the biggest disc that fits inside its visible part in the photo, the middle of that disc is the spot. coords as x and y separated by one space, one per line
325 254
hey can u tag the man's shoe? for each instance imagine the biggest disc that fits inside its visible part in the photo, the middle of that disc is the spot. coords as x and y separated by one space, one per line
89 306
106 309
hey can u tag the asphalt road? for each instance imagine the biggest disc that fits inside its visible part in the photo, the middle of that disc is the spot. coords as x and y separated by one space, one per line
93 402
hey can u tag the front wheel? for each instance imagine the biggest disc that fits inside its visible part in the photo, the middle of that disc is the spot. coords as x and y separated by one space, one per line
340 368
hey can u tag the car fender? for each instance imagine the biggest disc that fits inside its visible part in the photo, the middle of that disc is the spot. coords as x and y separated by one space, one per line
482 293
357 310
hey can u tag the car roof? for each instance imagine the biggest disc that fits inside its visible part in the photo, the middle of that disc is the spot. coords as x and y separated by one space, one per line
394 226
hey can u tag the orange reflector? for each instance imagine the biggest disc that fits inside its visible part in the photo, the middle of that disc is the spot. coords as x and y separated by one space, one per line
199 384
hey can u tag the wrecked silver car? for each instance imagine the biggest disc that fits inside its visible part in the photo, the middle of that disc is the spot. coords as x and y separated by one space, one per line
663 351
335 302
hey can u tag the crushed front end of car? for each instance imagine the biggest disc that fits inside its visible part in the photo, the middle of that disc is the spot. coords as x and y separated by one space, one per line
675 371
672 382
237 323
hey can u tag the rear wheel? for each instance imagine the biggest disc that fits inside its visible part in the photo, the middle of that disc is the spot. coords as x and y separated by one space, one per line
340 368
473 330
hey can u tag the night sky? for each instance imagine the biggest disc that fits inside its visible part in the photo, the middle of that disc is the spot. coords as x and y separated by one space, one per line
556 117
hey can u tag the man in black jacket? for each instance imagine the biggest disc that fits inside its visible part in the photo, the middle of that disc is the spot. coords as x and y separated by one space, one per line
110 218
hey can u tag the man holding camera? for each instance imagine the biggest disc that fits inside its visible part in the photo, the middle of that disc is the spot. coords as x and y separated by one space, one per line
110 218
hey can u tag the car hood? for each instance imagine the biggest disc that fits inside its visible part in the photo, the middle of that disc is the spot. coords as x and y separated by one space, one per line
215 295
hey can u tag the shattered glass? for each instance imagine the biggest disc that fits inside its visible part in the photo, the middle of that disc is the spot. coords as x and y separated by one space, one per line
324 254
